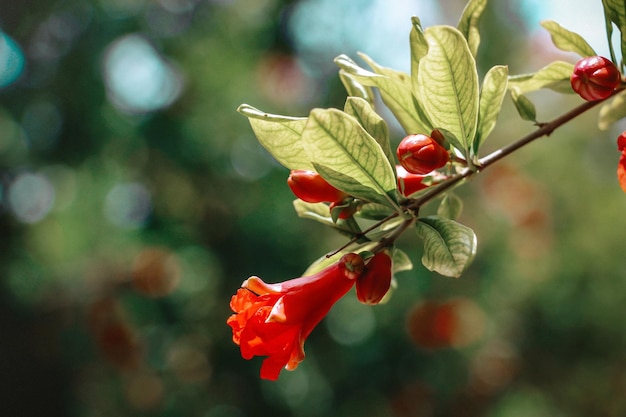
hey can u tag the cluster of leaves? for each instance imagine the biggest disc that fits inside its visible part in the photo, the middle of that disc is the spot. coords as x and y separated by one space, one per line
351 149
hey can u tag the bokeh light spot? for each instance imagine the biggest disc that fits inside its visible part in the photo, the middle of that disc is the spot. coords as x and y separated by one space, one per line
128 205
31 197
11 60
350 322
138 79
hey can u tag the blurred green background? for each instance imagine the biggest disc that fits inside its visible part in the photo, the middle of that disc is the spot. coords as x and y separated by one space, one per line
134 200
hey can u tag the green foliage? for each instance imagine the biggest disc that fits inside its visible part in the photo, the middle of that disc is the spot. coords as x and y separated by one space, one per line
468 23
451 207
447 84
348 157
613 111
566 40
554 76
280 135
615 14
449 247
491 96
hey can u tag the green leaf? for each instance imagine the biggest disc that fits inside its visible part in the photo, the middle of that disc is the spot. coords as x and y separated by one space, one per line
395 91
320 212
449 247
491 96
400 261
566 40
450 207
374 211
615 13
612 111
447 85
419 48
373 124
344 154
280 136
555 76
468 23
524 106
355 88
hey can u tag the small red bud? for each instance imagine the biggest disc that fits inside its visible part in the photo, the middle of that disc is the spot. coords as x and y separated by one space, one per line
595 78
309 186
421 154
352 265
374 283
409 183
621 142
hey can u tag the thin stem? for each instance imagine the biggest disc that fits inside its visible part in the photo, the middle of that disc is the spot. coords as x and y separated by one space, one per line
544 129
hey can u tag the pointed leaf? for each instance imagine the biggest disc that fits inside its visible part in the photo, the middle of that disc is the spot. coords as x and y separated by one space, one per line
347 156
280 136
555 76
468 23
524 106
401 261
615 13
355 88
612 111
373 124
419 48
394 87
566 40
449 247
447 85
491 96
450 207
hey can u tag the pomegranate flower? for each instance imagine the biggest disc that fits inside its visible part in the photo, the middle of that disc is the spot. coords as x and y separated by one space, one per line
621 166
274 320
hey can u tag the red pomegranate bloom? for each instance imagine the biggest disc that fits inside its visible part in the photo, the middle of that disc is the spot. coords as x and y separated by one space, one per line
274 320
621 166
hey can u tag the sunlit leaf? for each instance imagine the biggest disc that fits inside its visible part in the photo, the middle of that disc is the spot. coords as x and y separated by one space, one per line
394 87
401 261
612 111
319 212
468 23
615 13
524 106
566 40
449 247
355 88
447 85
280 136
555 76
450 207
348 157
374 211
375 125
491 96
419 47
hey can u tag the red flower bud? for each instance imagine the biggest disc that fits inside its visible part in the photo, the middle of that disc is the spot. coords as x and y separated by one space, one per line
621 142
421 154
409 183
373 284
309 186
595 78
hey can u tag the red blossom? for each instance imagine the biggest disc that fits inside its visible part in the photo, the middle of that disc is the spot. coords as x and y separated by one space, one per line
274 320
375 282
621 171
